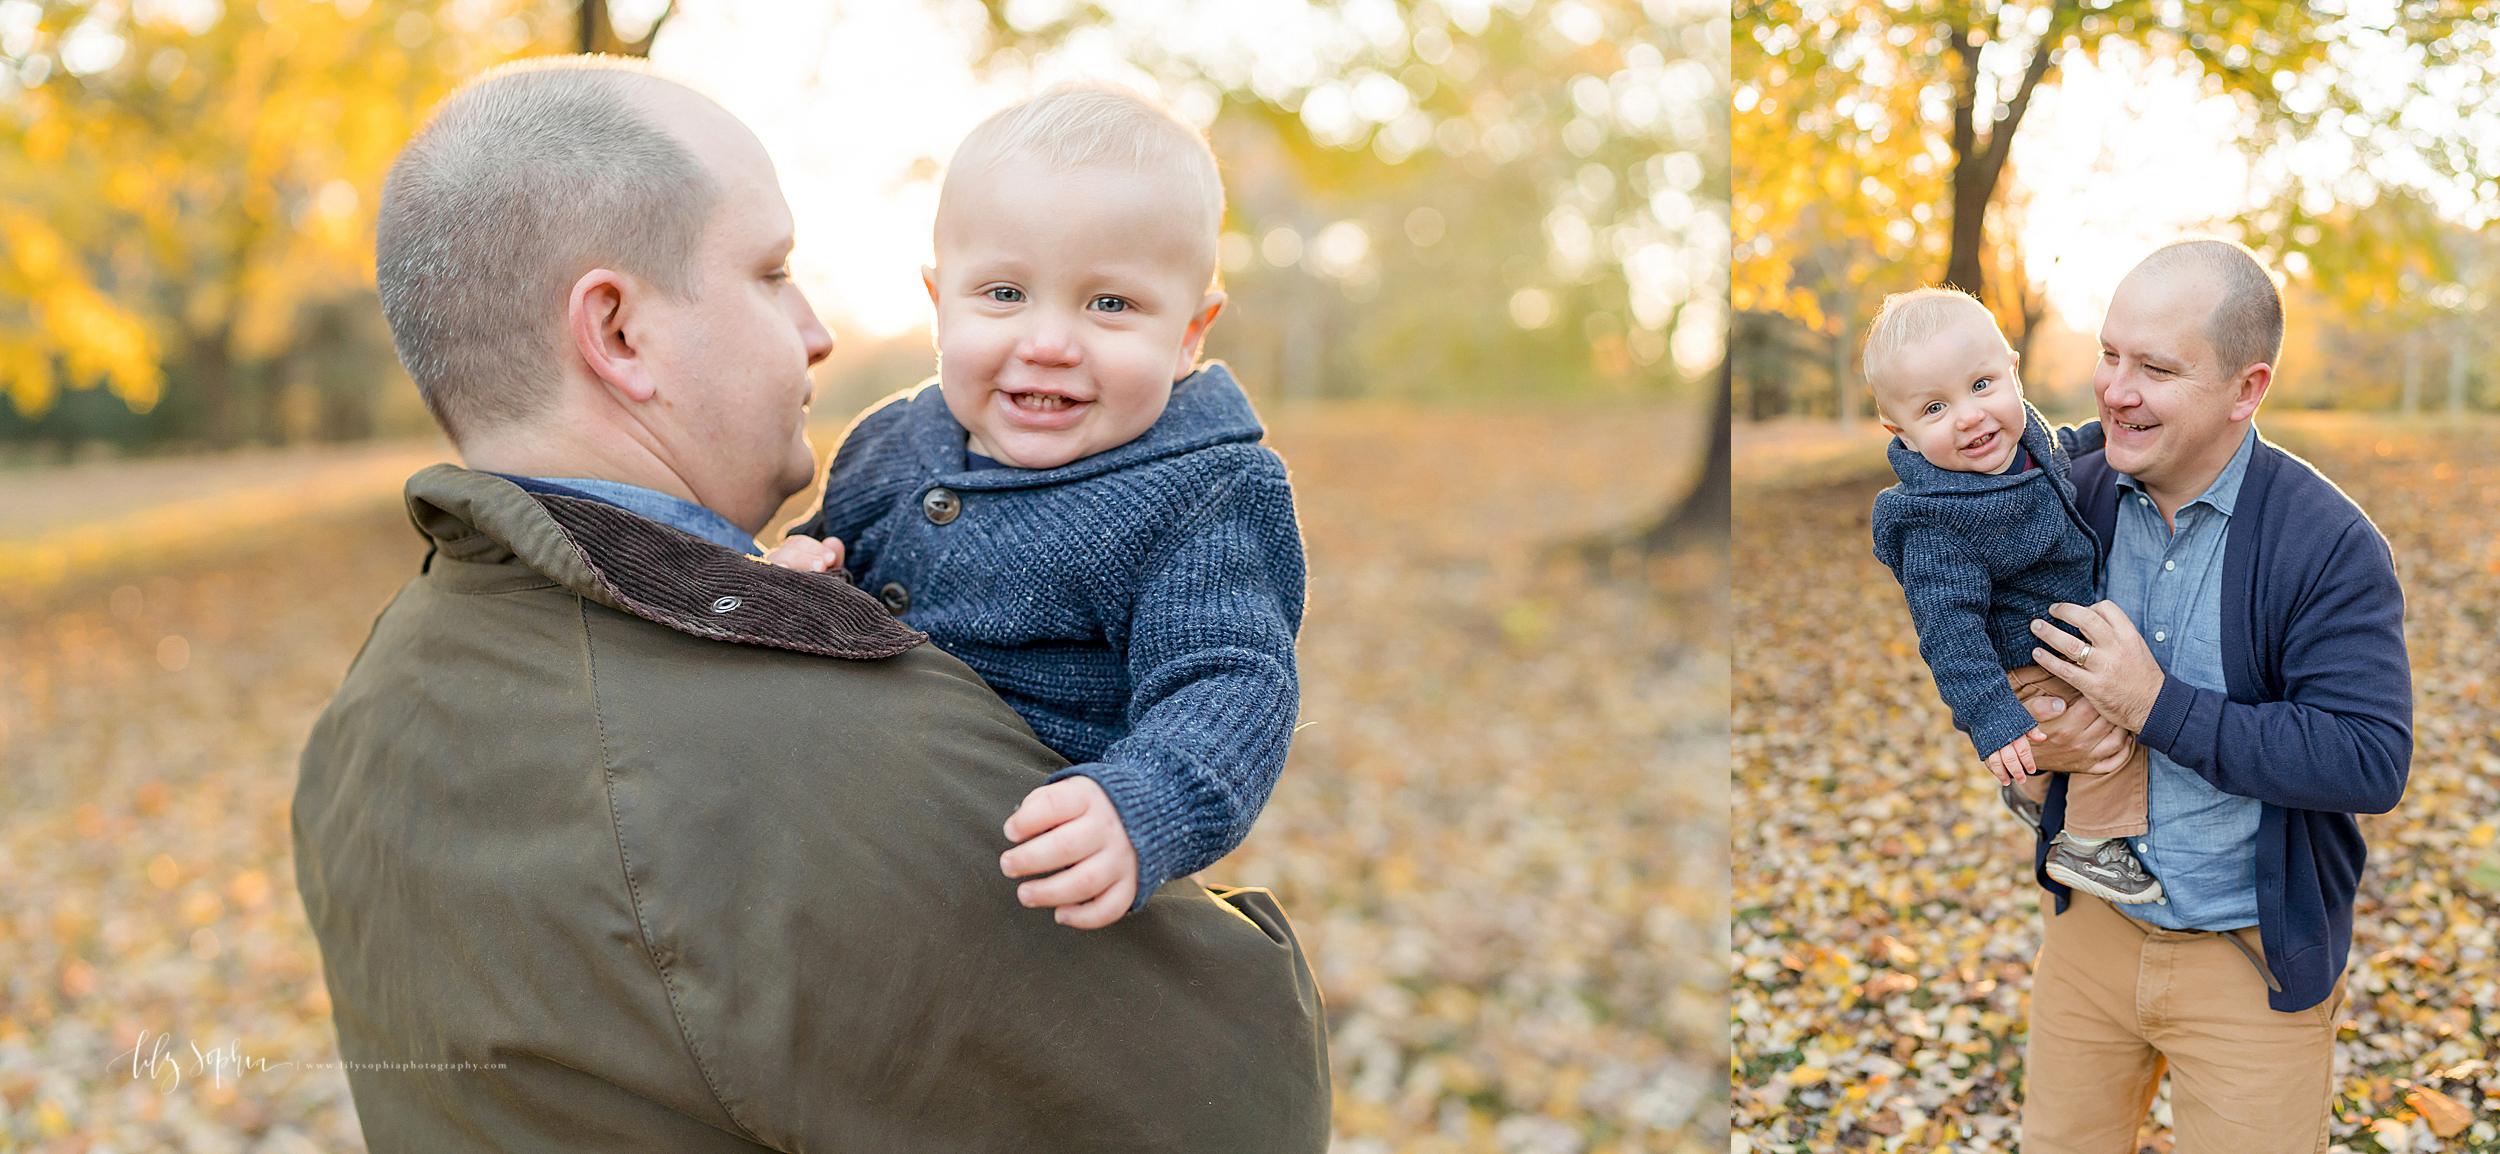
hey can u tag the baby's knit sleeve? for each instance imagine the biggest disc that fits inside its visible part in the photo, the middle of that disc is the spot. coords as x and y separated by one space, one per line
1947 590
1211 665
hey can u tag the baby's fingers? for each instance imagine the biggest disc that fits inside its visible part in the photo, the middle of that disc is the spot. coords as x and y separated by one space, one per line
1110 907
803 553
1082 882
1046 808
1060 848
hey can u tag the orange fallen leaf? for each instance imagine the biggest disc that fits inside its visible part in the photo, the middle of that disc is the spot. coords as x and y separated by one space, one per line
1887 950
2445 1115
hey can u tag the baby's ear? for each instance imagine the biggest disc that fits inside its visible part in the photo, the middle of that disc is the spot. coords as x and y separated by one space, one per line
1195 336
928 280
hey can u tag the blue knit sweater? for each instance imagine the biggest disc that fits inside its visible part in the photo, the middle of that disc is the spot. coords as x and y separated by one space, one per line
1138 607
1979 556
2316 718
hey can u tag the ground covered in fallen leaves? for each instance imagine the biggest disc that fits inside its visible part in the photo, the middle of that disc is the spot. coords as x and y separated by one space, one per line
1502 833
1885 919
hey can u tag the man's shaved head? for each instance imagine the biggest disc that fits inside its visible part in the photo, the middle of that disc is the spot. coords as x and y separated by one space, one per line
526 178
2246 326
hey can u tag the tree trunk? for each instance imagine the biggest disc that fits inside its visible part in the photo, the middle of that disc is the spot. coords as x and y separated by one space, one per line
211 367
1703 517
2456 375
2410 401
1979 164
596 32
1844 398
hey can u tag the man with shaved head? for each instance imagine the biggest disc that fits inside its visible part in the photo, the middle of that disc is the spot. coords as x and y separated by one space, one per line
616 839
2252 638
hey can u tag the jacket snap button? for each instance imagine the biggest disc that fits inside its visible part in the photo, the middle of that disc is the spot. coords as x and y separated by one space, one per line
897 599
725 605
941 505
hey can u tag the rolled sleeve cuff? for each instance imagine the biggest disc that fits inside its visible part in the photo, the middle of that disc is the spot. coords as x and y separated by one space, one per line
1999 720
2168 719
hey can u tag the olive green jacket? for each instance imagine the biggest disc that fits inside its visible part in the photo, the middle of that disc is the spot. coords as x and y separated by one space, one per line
615 840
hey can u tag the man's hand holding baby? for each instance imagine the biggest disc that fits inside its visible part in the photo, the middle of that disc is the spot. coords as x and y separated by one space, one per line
2110 664
2071 737
1071 826
806 554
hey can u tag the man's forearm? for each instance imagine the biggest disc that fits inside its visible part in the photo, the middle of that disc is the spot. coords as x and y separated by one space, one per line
2340 736
2283 752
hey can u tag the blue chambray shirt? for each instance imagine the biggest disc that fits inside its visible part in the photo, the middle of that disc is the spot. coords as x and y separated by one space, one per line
2202 842
674 512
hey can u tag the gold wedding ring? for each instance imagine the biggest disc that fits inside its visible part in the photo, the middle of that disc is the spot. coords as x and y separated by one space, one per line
2082 655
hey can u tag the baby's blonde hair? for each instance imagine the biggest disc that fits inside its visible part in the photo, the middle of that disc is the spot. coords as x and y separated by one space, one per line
1095 124
1910 317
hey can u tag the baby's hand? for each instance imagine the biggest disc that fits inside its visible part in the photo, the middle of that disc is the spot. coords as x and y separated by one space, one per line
2012 761
806 554
1070 826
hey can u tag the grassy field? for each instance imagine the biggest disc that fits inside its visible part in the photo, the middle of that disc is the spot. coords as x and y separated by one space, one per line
1885 917
1502 833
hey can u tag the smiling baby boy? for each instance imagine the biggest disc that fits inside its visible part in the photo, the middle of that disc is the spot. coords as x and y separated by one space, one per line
1078 510
1984 536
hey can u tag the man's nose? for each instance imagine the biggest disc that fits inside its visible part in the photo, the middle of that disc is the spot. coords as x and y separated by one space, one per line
813 335
2115 386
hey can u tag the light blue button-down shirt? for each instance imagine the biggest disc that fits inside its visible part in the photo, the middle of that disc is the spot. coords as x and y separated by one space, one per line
674 512
2202 842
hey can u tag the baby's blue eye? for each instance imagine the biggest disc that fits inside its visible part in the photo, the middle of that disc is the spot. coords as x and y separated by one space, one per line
1006 294
1111 304
1981 385
1933 408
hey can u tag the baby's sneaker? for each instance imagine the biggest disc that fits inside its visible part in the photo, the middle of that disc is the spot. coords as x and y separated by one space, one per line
2025 810
2108 870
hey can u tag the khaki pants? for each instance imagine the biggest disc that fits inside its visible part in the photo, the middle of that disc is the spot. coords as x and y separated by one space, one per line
2114 1000
2097 804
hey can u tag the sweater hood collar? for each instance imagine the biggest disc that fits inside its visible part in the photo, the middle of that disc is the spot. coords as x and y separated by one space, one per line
1921 479
1207 409
635 565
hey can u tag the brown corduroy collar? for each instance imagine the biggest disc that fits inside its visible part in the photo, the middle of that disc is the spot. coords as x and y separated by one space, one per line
638 566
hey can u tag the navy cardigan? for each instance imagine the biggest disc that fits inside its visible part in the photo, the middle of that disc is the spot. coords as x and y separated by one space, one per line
1137 607
2317 719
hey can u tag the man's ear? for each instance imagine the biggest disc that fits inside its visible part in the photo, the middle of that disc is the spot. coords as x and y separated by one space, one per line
599 316
1196 334
2249 389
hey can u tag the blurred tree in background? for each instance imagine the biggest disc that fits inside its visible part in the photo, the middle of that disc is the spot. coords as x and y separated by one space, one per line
1446 197
1873 145
1451 198
187 191
1431 198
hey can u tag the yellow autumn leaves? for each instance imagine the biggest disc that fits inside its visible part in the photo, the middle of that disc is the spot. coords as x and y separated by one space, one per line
181 201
